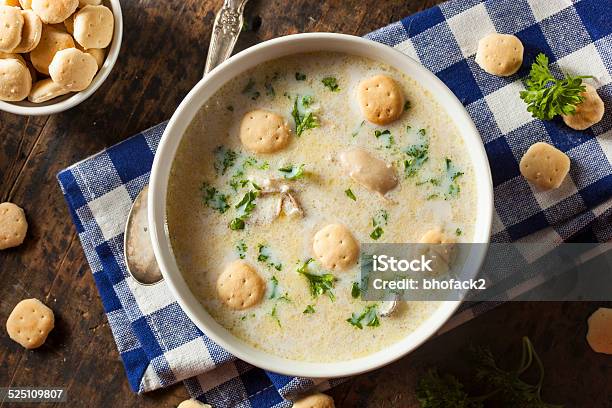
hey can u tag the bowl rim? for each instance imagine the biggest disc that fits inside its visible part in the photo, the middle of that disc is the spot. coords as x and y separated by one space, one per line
173 133
65 102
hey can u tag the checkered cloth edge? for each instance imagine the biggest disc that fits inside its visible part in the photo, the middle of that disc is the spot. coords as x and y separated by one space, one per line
159 345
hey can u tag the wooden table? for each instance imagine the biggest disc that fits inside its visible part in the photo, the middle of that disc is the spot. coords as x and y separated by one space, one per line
162 57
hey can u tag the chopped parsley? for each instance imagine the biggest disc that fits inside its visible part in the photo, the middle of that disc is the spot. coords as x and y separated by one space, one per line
244 208
224 159
318 284
307 101
236 224
331 83
358 129
249 89
274 282
417 154
369 316
269 89
303 121
213 198
377 233
268 85
309 309
406 105
379 221
265 256
453 174
300 77
292 172
386 137
241 249
349 193
274 315
239 179
458 232
355 290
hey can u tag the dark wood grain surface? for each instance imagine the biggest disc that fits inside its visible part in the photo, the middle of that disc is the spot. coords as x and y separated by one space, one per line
162 57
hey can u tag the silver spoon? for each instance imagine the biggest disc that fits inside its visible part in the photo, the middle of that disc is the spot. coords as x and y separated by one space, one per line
138 251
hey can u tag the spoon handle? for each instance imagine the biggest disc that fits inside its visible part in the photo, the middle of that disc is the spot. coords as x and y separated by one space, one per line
227 27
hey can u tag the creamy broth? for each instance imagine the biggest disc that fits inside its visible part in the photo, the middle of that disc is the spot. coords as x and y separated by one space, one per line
203 243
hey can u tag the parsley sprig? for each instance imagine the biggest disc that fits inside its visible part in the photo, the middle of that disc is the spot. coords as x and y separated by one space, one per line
318 284
379 221
213 198
331 83
244 208
369 317
291 172
417 154
303 121
547 96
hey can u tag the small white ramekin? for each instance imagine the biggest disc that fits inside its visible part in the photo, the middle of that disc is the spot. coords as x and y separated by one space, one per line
184 114
65 102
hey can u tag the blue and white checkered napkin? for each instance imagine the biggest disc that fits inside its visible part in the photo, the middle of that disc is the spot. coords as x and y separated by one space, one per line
160 345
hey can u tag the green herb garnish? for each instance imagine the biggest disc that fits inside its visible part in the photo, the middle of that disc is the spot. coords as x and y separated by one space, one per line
292 172
358 129
238 179
300 77
355 290
417 154
274 282
379 221
377 233
307 101
303 122
458 232
274 315
453 174
386 137
406 105
224 159
213 198
436 391
249 89
236 224
349 193
269 89
241 249
244 208
265 256
369 316
503 388
547 96
331 83
249 86
318 284
309 309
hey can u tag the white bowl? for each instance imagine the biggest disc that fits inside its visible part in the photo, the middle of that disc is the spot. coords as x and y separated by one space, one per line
184 114
65 102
